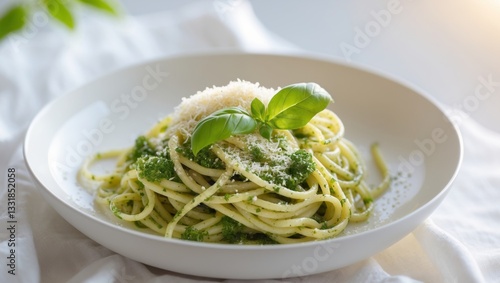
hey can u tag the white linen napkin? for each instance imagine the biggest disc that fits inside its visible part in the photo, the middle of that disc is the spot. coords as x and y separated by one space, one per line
459 243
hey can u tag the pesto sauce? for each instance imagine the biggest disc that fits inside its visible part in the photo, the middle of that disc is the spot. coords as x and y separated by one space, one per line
142 147
301 166
205 156
234 232
155 168
193 234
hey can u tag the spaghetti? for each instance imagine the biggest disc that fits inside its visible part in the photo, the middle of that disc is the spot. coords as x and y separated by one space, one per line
300 185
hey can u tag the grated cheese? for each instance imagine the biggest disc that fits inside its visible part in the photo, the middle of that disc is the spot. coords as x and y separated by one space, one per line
237 93
272 151
194 108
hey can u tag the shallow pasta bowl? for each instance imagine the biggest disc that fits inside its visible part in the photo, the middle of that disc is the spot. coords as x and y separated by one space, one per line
420 143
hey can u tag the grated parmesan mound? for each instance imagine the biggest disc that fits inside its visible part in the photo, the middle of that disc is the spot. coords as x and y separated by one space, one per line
194 108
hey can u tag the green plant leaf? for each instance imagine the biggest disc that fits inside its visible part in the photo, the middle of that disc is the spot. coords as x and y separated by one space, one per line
295 105
221 125
13 20
265 131
58 10
102 5
258 109
291 108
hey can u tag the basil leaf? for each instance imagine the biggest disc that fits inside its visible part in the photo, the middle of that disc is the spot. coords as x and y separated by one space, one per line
221 125
101 5
295 105
258 109
13 20
60 12
265 131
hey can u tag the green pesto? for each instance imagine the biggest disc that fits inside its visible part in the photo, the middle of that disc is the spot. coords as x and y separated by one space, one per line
193 234
139 224
227 197
262 239
151 164
155 168
257 154
116 211
232 230
142 147
318 217
205 156
140 184
301 166
324 226
178 213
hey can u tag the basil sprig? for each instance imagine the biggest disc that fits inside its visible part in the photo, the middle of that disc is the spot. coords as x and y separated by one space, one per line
290 108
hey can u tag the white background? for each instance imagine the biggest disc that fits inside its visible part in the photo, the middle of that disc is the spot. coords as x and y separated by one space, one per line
443 47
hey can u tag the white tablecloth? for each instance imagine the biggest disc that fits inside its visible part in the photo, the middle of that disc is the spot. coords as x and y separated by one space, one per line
458 243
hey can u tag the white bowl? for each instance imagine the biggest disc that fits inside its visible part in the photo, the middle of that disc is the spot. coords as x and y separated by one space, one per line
422 147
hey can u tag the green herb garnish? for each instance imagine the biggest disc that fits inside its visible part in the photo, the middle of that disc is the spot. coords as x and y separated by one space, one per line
232 230
193 234
290 108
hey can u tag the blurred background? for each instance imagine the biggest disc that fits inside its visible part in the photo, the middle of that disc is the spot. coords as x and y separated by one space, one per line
449 49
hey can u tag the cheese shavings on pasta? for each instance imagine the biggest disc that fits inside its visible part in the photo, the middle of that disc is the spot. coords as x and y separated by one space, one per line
236 93
299 185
